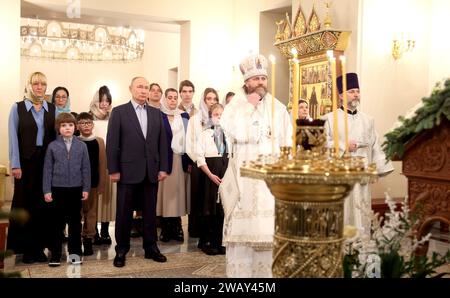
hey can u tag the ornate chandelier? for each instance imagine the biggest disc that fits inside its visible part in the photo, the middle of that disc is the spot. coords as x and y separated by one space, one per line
71 41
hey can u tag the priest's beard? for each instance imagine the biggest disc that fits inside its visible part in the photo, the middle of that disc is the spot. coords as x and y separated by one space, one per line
353 105
260 90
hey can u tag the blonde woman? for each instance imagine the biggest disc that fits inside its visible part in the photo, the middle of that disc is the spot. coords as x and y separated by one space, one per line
31 128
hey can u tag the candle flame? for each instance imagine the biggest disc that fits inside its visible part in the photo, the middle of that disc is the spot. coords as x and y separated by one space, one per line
330 54
294 52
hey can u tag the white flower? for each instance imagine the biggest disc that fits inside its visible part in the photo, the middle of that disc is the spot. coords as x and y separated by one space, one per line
396 234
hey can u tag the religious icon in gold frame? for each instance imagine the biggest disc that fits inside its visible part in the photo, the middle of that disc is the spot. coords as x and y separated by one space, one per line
315 87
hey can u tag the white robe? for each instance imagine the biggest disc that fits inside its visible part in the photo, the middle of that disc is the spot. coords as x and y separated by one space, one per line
361 129
248 234
194 130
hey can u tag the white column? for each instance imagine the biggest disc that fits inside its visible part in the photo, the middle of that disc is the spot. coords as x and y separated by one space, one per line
10 72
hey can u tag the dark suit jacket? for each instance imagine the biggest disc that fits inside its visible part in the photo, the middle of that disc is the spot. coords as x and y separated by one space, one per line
128 152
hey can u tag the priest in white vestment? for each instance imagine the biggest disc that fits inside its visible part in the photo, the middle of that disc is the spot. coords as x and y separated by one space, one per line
364 142
247 122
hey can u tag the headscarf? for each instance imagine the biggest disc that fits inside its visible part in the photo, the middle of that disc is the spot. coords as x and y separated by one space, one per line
308 117
95 110
178 143
29 94
165 108
205 120
66 108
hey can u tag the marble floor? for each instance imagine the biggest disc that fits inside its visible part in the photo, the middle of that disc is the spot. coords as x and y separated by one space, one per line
184 259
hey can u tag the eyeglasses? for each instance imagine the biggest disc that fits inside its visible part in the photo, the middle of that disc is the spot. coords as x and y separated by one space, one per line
62 97
85 123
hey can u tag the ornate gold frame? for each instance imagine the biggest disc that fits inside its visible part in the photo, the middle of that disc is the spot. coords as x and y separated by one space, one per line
312 44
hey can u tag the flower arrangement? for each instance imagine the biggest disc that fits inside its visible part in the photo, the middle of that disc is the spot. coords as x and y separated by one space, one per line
389 251
425 115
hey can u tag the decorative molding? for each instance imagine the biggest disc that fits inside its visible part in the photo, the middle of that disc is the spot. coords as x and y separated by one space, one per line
300 26
314 21
308 238
49 39
428 198
431 156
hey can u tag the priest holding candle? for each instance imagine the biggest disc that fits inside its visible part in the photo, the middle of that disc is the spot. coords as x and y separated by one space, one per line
361 140
248 124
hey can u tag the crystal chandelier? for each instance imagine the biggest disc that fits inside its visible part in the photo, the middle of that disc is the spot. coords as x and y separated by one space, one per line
72 41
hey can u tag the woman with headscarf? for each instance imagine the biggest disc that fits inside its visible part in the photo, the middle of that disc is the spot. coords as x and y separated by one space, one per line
31 128
196 125
172 200
100 109
200 121
61 99
303 110
101 104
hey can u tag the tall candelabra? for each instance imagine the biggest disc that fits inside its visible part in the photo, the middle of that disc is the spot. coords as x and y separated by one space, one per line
309 190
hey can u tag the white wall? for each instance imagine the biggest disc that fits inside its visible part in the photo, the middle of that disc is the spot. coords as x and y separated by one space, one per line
267 32
162 53
83 79
440 43
390 87
9 74
185 51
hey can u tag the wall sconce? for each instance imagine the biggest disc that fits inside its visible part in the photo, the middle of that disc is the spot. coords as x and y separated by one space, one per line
401 46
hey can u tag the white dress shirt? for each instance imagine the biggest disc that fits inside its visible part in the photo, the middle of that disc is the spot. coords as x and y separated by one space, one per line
141 113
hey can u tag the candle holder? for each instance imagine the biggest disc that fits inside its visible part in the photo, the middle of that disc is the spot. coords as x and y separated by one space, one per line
309 190
310 135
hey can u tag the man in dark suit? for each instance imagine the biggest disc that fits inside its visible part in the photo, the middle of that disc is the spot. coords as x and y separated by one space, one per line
136 161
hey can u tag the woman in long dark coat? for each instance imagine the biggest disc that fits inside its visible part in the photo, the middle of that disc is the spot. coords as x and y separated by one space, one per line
31 129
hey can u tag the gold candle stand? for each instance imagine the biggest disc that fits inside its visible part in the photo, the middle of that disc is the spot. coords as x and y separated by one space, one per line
309 190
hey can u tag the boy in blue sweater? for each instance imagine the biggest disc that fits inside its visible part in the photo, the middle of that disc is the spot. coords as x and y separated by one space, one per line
66 182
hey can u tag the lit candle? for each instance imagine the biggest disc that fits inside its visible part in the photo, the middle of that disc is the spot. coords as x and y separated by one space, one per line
344 90
330 54
295 92
335 115
272 132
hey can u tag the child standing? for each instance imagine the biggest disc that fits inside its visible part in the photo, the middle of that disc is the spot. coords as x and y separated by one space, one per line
66 182
212 159
97 158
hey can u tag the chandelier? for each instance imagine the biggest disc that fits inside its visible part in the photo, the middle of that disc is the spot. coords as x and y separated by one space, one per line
71 41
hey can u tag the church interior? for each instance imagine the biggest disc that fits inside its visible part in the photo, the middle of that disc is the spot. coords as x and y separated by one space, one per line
398 51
